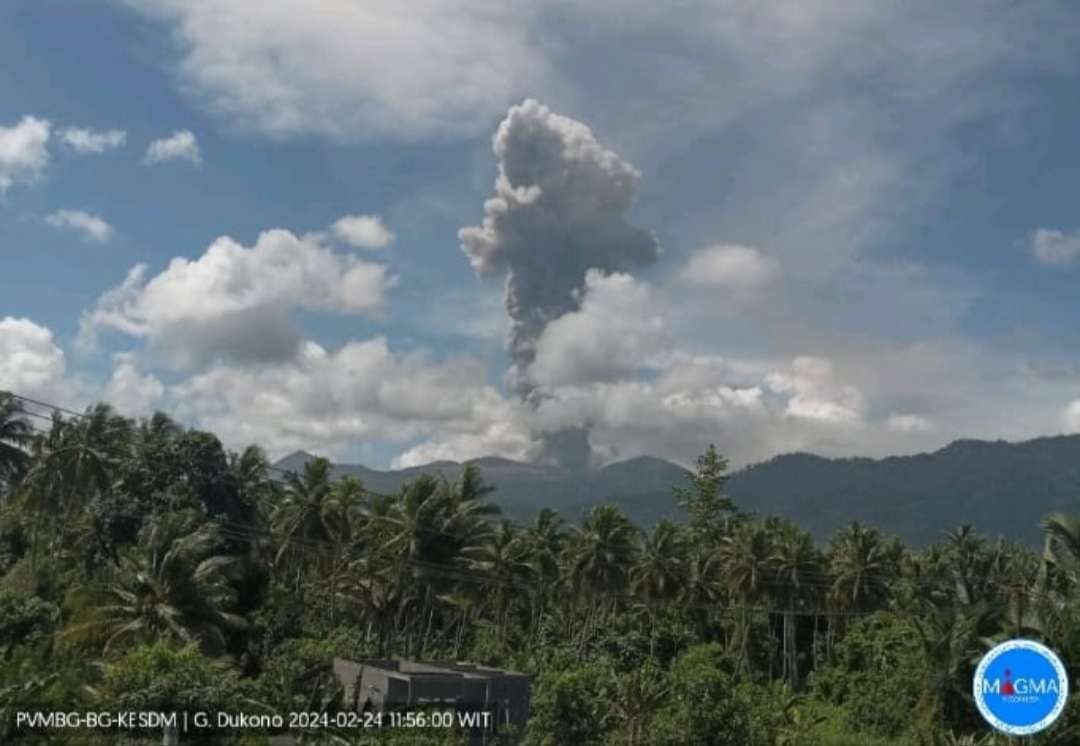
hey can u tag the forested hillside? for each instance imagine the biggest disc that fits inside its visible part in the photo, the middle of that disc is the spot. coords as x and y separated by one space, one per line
144 567
1000 488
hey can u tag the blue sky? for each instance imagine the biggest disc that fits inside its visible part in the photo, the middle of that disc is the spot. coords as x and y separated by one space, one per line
862 219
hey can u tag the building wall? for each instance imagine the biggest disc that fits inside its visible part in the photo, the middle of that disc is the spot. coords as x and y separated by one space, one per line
384 685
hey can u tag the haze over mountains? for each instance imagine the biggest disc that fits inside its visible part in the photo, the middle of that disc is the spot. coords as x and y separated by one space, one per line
999 487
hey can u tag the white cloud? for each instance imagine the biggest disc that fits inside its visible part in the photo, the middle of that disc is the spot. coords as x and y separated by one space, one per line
233 302
1070 417
1055 247
731 268
909 423
618 331
445 67
366 392
92 227
32 364
92 141
324 400
363 231
131 391
181 145
506 439
24 151
810 170
355 70
814 393
751 410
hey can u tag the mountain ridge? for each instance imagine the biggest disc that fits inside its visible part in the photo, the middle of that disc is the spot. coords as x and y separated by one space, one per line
1001 487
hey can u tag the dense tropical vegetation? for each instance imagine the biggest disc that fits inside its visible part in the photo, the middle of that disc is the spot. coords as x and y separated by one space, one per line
143 566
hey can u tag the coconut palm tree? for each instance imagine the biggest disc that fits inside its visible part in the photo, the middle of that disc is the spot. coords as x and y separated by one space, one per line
952 640
170 586
97 442
546 538
251 470
301 518
504 563
860 562
746 561
597 562
796 565
469 515
73 463
1061 548
659 575
15 436
704 588
418 540
344 519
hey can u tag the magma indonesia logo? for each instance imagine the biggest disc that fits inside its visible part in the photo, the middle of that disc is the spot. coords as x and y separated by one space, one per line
1021 687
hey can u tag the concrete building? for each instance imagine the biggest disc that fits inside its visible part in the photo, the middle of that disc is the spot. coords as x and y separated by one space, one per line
399 685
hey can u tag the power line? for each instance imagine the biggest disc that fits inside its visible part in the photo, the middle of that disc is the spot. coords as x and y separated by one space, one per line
29 400
81 415
810 578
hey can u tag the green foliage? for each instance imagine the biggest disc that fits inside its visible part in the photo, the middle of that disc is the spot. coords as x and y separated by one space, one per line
14 539
34 677
142 563
297 676
704 501
166 678
15 437
172 585
24 620
708 705
570 704
875 675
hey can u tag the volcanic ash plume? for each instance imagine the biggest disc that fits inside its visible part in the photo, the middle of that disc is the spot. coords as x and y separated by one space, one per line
559 209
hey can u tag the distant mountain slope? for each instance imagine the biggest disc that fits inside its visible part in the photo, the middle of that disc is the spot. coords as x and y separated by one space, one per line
642 486
1001 488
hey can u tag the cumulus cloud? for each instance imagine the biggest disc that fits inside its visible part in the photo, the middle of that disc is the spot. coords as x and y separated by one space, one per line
1054 247
24 151
559 210
730 268
180 145
746 408
233 302
92 141
355 70
133 392
787 158
90 226
814 394
363 231
31 363
618 331
363 391
506 439
754 408
751 409
433 67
